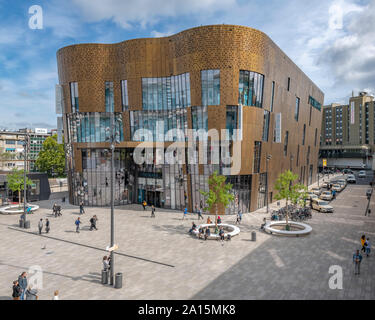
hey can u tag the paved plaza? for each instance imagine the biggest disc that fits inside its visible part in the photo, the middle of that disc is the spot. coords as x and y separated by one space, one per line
160 260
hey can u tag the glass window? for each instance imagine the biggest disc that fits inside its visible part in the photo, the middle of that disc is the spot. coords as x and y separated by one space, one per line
286 143
304 134
210 82
251 89
266 125
296 111
257 154
109 100
74 96
166 93
124 95
232 121
272 95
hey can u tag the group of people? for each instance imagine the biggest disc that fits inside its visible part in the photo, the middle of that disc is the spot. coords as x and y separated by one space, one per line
93 222
357 257
40 226
106 263
23 291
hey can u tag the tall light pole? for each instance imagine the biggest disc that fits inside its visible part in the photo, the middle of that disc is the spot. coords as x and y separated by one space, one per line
268 158
113 138
26 141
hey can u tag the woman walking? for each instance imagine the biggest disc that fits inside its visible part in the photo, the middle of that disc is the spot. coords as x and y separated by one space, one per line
363 241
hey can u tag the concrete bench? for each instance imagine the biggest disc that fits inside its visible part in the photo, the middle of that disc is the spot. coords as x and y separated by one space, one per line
306 229
234 231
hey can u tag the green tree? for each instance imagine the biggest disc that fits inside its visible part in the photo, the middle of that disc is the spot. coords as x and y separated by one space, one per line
219 193
287 189
15 182
51 159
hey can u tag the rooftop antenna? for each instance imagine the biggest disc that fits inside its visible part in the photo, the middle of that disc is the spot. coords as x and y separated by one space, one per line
352 93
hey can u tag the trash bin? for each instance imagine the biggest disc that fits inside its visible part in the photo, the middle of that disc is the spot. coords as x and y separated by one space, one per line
104 276
118 280
27 224
253 236
22 223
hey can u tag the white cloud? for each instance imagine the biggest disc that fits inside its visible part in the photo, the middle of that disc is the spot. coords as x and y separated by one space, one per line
146 12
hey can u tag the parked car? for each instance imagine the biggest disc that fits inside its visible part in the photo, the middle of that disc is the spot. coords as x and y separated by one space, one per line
348 171
321 205
324 184
337 187
362 174
351 179
311 196
316 191
326 195
342 182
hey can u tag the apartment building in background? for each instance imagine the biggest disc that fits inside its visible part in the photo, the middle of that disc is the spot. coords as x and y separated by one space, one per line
348 133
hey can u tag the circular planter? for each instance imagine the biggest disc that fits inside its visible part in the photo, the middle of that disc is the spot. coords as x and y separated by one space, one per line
228 229
298 228
15 209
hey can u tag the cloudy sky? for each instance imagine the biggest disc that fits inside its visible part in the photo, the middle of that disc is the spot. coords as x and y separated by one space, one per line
332 41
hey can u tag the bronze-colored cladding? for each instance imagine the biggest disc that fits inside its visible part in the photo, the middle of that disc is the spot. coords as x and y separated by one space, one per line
229 48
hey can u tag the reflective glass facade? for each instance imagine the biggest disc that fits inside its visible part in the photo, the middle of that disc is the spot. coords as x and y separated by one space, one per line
199 118
232 122
158 123
266 125
91 126
251 89
210 81
166 93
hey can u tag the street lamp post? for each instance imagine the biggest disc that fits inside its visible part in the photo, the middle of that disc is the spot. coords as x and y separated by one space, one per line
24 177
113 138
268 157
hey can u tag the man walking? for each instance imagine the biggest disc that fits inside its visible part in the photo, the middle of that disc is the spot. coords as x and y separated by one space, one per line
47 226
93 223
357 258
81 210
77 223
40 226
22 282
152 211
200 214
144 204
185 213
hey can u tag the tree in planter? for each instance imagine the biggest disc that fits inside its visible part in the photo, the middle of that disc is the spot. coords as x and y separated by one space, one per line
15 182
219 194
290 191
51 159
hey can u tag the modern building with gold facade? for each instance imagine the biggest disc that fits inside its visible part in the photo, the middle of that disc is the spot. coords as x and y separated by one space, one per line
222 77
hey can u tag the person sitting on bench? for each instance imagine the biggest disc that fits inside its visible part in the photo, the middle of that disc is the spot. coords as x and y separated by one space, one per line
207 233
193 227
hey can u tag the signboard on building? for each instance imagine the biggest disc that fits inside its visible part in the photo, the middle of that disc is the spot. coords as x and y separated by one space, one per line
352 113
41 130
324 163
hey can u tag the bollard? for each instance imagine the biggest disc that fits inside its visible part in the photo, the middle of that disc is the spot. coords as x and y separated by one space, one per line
22 223
118 280
104 276
27 224
253 236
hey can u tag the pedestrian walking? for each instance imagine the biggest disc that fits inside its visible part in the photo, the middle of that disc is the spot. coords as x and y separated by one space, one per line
240 214
22 282
201 205
363 241
144 204
368 247
47 226
54 209
185 213
81 209
238 218
16 294
77 223
333 194
40 226
200 214
153 211
222 235
357 258
93 223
